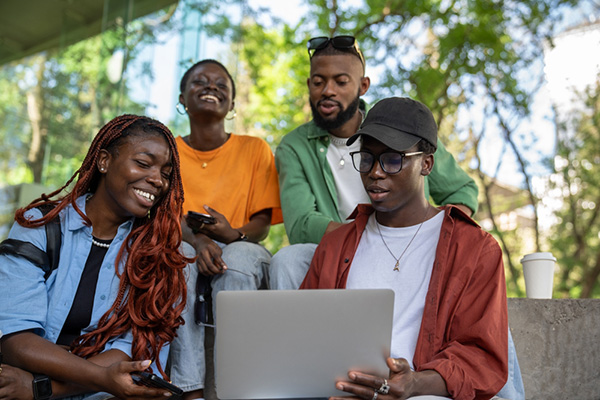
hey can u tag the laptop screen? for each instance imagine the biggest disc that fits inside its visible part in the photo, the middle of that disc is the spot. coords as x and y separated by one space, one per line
298 343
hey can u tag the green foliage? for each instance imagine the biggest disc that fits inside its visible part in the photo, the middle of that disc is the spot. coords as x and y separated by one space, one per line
479 59
276 87
515 282
13 134
75 97
473 56
276 239
575 239
445 54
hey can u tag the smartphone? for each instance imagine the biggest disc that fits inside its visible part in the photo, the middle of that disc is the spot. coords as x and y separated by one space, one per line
196 219
203 218
151 380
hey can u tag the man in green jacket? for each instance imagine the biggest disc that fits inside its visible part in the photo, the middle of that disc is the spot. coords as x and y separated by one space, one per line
318 186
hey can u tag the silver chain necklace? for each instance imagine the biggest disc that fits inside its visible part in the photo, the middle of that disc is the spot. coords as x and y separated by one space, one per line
397 266
340 143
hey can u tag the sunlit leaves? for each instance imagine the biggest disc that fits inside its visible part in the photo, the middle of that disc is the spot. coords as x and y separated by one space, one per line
575 240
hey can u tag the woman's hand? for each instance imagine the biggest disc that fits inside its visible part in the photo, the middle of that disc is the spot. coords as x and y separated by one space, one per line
402 383
221 230
118 382
209 253
15 383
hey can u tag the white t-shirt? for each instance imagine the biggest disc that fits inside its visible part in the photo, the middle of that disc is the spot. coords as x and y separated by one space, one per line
348 184
373 267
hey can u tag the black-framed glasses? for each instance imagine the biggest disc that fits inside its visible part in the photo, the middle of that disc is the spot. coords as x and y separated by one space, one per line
390 161
343 42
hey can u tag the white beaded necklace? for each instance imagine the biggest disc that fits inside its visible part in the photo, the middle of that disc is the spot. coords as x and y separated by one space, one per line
100 244
94 241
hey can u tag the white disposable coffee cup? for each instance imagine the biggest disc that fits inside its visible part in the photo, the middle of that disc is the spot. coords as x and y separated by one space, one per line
538 270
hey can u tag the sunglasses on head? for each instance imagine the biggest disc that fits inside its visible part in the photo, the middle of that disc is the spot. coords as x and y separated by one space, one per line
344 42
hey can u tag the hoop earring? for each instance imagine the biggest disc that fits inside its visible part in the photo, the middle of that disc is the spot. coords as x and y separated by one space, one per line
232 116
179 109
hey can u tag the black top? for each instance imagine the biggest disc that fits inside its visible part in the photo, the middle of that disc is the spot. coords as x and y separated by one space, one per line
81 310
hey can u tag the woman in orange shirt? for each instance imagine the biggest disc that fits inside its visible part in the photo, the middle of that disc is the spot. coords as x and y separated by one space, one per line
232 178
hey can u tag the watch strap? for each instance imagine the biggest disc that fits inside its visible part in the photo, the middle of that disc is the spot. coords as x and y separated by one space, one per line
42 387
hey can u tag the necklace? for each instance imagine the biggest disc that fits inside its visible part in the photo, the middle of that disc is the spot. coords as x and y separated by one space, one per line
204 164
340 143
397 266
94 241
100 244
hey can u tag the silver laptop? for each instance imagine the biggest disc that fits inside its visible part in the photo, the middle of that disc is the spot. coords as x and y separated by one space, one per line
297 343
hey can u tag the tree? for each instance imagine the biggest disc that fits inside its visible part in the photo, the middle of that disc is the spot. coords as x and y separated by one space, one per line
575 237
476 64
69 96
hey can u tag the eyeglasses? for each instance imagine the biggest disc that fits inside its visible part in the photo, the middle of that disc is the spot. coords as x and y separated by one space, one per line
344 42
390 161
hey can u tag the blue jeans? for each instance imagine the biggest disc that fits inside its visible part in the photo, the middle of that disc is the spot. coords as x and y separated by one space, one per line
91 396
513 389
248 265
290 265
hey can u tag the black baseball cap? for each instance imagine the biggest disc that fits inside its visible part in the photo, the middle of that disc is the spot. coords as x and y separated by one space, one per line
399 123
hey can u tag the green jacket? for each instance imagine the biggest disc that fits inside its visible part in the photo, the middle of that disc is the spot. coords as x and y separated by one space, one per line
307 188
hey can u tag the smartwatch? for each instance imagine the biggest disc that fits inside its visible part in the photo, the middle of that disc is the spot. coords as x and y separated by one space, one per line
42 387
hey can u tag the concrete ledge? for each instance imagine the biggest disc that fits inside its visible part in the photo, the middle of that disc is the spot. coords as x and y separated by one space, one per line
558 346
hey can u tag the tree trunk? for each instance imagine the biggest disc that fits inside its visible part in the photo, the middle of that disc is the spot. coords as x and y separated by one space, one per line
39 131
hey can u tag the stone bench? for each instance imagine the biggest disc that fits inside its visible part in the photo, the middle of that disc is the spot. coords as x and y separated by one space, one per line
558 347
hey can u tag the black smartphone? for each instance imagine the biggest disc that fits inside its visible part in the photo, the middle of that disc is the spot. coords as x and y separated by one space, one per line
195 220
151 380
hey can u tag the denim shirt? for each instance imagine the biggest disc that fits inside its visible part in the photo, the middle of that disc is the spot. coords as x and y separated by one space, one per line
27 302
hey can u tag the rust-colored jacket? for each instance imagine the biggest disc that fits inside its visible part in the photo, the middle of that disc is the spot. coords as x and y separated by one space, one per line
464 331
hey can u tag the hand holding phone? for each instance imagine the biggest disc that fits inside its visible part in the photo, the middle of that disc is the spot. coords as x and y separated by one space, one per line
151 380
195 220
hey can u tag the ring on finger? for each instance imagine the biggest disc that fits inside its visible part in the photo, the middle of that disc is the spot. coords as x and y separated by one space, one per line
375 394
385 388
201 225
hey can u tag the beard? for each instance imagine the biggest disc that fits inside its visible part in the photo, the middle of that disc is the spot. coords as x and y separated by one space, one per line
343 116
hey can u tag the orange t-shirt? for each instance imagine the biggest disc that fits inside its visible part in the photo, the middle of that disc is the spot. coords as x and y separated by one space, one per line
238 179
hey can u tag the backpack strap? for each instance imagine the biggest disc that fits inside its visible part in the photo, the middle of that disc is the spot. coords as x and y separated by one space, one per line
26 250
53 238
48 260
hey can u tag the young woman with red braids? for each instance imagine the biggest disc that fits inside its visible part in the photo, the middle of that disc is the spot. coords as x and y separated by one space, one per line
113 304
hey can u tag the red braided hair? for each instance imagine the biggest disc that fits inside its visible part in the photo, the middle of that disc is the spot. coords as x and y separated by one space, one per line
152 289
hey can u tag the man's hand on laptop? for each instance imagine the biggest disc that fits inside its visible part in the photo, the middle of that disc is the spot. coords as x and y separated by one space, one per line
402 383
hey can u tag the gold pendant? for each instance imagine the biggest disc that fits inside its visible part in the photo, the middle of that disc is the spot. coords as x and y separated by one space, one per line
396 266
204 165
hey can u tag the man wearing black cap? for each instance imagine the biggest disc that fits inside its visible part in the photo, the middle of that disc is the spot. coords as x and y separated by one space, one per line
450 332
319 189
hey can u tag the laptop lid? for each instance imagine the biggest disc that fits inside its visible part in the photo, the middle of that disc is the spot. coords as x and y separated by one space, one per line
297 343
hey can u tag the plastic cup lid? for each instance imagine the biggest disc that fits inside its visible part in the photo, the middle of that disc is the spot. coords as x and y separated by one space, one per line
538 256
